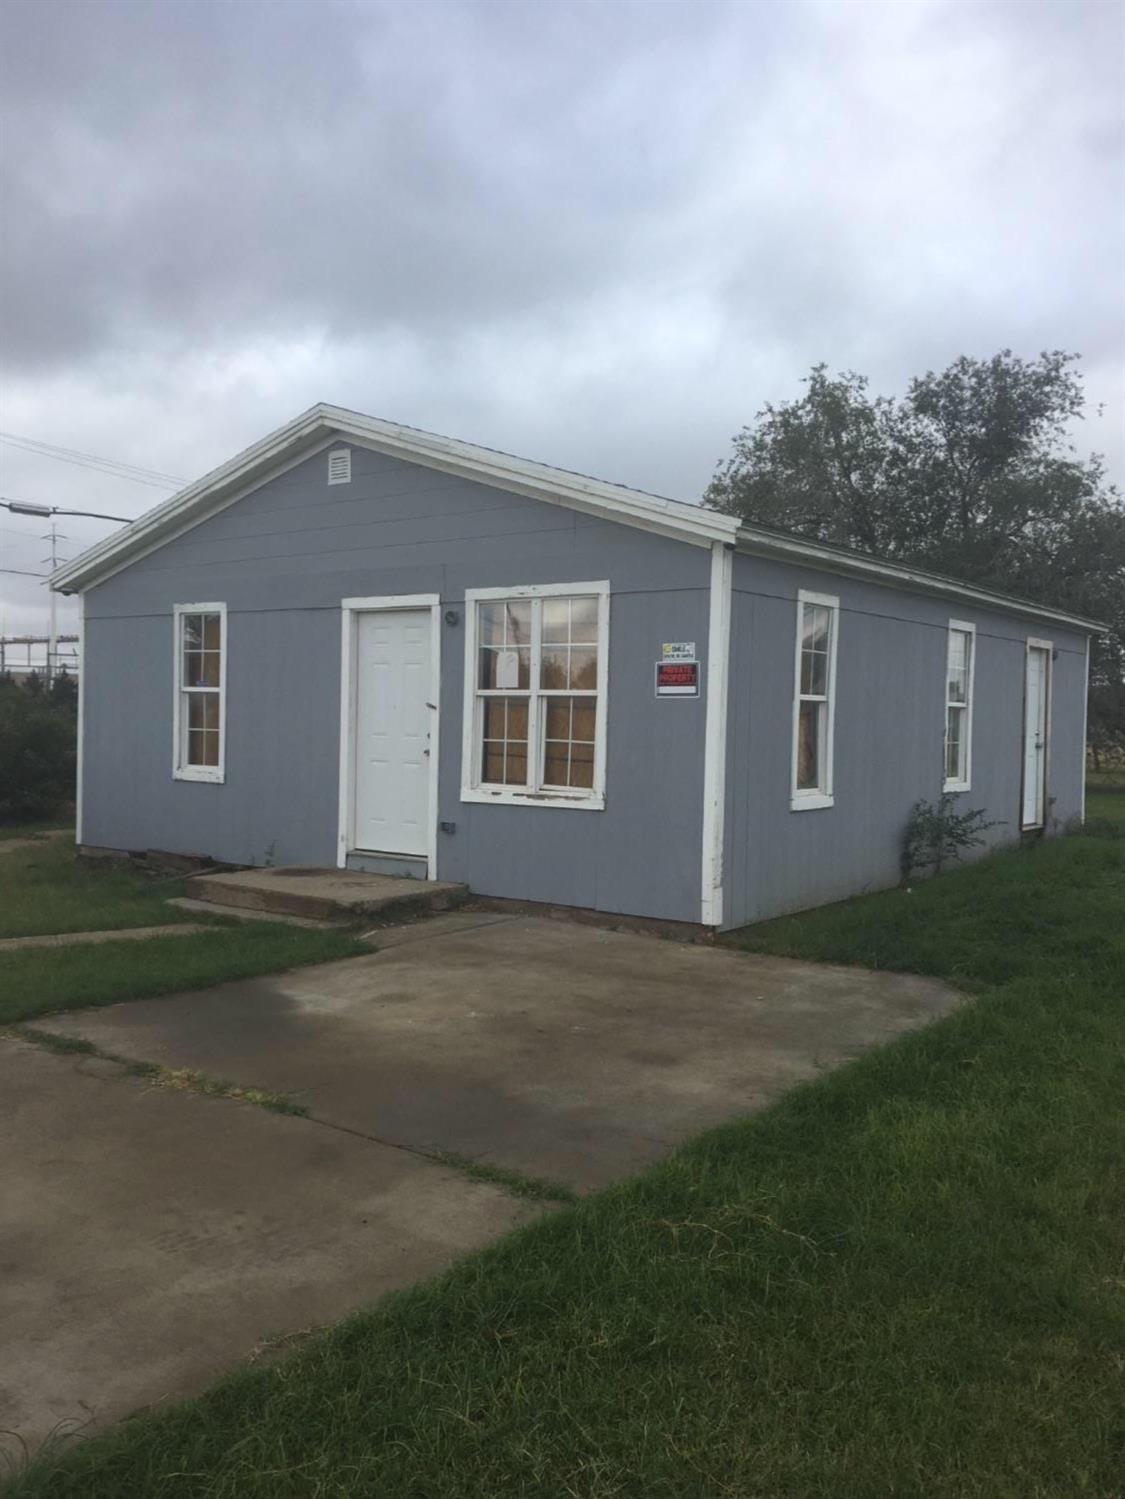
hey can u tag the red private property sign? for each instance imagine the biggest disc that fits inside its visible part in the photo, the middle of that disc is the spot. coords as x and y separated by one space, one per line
677 679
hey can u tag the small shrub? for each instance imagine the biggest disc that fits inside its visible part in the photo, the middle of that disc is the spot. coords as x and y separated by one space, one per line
935 836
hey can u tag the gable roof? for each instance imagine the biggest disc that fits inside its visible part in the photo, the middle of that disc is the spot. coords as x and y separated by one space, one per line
322 424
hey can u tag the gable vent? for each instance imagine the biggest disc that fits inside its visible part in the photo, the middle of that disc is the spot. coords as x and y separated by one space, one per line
340 466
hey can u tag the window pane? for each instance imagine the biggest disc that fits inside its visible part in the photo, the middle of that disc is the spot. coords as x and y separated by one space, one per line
808 746
584 718
517 718
575 667
582 765
504 746
202 710
192 626
814 628
211 632
816 622
568 742
556 620
558 718
584 620
814 673
554 667
583 668
505 623
505 668
203 747
954 757
957 688
556 764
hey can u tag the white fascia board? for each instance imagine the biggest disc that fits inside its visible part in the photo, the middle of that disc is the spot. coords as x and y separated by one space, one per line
169 519
685 522
893 575
682 522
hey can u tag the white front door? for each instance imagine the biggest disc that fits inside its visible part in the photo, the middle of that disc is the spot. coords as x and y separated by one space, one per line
1035 729
393 719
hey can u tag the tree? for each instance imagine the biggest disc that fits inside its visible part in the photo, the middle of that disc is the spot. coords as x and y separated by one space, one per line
37 750
970 473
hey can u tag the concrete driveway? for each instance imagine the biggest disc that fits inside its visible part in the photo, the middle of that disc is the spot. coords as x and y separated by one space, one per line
152 1238
557 1050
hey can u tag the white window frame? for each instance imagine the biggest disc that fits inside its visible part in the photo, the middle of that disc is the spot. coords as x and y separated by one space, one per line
964 782
181 771
822 796
472 790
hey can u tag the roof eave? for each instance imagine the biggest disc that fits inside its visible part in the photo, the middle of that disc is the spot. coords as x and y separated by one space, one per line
893 574
686 523
167 519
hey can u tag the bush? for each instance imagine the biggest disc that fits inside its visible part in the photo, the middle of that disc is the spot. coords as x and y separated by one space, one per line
38 733
935 835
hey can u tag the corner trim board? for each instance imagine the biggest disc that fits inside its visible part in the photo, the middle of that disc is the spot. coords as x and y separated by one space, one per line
81 728
1085 726
715 734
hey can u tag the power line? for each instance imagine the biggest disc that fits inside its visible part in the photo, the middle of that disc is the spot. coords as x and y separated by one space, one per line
23 573
118 469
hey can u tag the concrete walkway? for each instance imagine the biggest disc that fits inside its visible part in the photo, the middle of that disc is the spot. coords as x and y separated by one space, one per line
558 1050
151 1239
123 934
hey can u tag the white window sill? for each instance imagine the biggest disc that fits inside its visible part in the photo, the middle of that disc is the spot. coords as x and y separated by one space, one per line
948 786
808 801
199 773
503 797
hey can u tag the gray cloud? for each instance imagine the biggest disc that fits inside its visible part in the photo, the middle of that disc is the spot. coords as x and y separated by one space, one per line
600 234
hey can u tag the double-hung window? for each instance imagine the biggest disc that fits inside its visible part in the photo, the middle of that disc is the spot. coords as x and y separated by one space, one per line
200 705
960 651
814 700
535 694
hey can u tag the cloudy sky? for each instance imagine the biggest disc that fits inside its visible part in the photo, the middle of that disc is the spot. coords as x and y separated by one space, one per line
597 234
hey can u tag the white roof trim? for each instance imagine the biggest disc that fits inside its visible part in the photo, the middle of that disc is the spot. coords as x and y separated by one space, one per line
538 481
837 560
322 424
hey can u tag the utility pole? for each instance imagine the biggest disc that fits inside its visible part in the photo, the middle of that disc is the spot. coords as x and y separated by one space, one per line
53 628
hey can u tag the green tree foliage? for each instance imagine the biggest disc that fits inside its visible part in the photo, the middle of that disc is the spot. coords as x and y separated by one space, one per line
37 748
971 473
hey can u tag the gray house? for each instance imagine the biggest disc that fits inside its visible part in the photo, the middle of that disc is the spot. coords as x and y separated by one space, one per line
362 645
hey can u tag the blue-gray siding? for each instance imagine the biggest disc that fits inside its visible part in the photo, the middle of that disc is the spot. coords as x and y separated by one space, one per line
890 711
281 559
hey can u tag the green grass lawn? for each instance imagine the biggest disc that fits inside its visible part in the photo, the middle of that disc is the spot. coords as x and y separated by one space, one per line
37 980
46 889
1106 805
10 831
906 1278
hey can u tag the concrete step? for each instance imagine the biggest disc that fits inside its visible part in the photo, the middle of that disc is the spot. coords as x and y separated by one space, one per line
325 894
238 913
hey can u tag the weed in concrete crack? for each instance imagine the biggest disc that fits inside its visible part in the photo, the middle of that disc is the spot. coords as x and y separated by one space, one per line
64 1045
535 1187
181 1079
